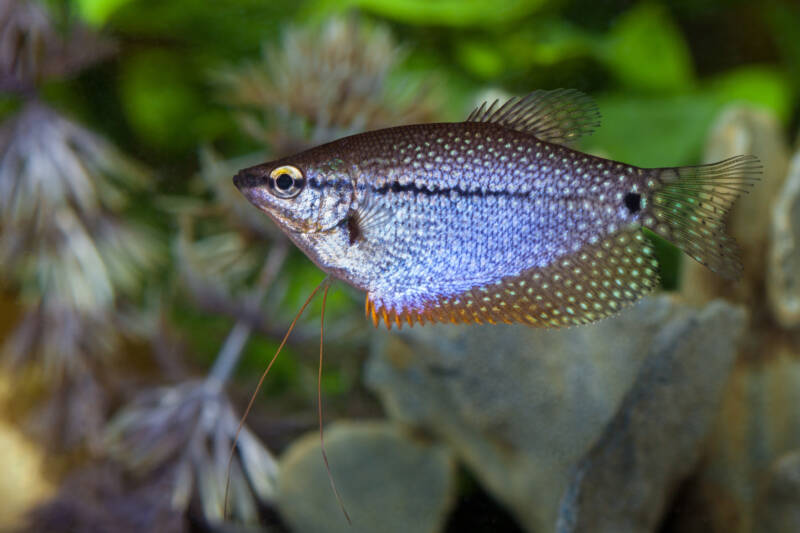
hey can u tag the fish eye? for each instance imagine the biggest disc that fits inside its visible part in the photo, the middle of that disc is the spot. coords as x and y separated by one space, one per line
286 181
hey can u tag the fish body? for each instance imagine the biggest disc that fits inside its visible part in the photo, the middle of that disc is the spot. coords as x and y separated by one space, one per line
495 218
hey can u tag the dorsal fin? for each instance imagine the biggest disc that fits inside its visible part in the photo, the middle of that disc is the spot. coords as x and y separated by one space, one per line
560 116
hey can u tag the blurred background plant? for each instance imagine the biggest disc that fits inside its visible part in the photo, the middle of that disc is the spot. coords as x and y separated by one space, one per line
142 295
68 248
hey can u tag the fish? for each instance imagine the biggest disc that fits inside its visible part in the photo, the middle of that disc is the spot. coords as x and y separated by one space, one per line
497 219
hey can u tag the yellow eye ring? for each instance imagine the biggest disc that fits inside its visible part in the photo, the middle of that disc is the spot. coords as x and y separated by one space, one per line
286 181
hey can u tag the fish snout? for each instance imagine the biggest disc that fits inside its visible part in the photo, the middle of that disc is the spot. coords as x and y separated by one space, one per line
250 178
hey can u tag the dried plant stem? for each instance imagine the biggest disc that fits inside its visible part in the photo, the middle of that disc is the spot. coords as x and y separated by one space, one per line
231 350
229 354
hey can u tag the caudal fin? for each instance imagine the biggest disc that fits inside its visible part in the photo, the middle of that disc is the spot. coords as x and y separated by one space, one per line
688 206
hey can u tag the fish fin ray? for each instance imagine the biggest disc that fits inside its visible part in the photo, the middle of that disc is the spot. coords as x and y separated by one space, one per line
578 288
688 206
559 116
367 219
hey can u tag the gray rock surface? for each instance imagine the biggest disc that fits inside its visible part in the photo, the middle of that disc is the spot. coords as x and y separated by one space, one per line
390 481
759 422
653 442
780 503
783 280
522 406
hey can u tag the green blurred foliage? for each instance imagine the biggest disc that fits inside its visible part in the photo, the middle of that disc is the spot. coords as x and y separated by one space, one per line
654 131
96 12
158 101
783 20
450 13
766 87
212 31
638 62
646 51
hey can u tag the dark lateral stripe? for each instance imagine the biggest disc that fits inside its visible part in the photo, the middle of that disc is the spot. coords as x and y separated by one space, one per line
397 187
316 184
447 191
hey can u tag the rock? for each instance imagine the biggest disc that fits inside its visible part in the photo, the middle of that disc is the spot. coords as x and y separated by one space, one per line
389 481
654 440
742 130
783 280
759 422
780 505
523 406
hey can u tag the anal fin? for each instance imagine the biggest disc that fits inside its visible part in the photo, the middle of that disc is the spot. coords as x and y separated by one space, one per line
578 288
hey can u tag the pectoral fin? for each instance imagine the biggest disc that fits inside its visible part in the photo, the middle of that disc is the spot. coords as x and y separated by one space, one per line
368 219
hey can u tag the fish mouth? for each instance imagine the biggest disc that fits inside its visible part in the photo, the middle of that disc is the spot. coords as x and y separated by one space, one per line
250 182
247 179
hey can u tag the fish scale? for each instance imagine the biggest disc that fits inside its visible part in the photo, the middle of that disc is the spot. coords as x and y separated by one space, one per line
496 219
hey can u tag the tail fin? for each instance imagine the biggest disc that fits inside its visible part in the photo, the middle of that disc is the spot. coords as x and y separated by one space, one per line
688 205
